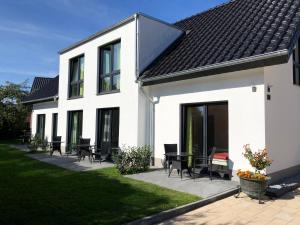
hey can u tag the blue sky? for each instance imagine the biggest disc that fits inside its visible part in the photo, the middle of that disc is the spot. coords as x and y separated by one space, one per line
33 31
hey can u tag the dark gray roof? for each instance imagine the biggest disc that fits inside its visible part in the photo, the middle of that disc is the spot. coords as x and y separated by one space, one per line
39 82
229 33
46 92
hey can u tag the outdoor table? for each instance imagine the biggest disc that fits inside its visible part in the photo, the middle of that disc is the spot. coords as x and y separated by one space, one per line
179 161
50 144
87 150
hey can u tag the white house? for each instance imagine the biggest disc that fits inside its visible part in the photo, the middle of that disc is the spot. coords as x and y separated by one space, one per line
222 78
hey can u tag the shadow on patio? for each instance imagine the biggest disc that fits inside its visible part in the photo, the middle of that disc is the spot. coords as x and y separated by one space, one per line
201 186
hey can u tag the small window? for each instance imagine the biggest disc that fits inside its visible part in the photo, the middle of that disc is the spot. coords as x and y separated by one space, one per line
76 77
296 67
109 74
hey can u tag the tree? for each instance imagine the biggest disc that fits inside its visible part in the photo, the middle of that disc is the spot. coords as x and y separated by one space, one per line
13 114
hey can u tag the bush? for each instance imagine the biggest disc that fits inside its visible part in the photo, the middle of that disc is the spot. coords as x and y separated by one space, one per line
37 142
132 160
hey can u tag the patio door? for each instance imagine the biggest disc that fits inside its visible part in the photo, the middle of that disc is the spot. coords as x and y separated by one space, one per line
74 128
204 127
108 130
194 130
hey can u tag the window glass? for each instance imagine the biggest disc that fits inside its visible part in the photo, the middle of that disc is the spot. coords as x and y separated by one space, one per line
106 61
81 68
74 71
116 82
110 67
106 84
76 76
116 62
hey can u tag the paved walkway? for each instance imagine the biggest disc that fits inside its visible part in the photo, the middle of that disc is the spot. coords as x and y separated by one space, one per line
202 187
70 162
243 210
66 162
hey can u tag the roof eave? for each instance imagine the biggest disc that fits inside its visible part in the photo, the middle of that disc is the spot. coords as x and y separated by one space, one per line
34 101
268 59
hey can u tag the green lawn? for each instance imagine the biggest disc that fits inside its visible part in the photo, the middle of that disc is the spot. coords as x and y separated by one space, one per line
35 193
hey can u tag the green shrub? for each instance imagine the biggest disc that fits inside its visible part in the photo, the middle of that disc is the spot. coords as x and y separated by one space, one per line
37 142
132 160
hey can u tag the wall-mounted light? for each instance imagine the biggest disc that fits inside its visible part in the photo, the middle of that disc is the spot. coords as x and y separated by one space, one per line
269 88
254 88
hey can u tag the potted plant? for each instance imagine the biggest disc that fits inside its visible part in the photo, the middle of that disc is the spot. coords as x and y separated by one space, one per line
254 184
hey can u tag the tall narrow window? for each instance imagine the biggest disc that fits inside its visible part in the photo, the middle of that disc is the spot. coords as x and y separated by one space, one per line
109 74
40 126
54 125
296 66
108 129
76 77
74 128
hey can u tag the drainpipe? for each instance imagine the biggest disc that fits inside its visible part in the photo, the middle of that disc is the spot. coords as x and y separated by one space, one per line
151 120
152 102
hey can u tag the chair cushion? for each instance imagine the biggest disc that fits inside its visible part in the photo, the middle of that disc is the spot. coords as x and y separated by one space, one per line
221 155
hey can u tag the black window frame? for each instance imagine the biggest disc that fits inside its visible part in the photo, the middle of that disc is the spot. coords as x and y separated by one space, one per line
78 82
113 73
296 64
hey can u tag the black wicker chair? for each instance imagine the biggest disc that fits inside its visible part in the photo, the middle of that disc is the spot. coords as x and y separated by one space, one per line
55 145
170 154
84 149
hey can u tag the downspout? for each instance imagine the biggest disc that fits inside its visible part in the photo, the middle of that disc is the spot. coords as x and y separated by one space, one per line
151 121
152 102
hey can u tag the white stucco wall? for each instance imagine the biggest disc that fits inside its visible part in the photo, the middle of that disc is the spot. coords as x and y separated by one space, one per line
245 108
132 104
47 108
282 117
126 99
153 37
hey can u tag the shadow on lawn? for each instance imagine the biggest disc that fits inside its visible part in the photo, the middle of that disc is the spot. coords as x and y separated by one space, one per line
32 193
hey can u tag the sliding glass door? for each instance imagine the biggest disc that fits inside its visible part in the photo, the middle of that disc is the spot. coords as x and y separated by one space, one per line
74 128
40 126
204 127
108 129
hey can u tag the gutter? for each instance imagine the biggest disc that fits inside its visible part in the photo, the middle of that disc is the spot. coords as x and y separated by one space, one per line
267 59
54 98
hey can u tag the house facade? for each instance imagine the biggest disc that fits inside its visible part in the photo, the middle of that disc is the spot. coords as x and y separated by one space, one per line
219 79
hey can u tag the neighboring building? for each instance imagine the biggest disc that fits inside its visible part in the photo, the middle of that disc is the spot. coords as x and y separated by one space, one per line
222 78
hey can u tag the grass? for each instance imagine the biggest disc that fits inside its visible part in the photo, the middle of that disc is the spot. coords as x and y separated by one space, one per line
35 193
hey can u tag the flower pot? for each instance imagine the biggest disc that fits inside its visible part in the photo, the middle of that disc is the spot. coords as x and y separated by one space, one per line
253 188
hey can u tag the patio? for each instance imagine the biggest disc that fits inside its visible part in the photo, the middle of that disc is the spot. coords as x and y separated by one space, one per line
202 186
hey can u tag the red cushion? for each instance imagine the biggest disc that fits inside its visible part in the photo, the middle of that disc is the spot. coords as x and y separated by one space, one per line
221 155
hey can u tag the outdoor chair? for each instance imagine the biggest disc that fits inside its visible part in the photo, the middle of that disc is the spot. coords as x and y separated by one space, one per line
204 162
55 145
170 153
96 154
84 149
